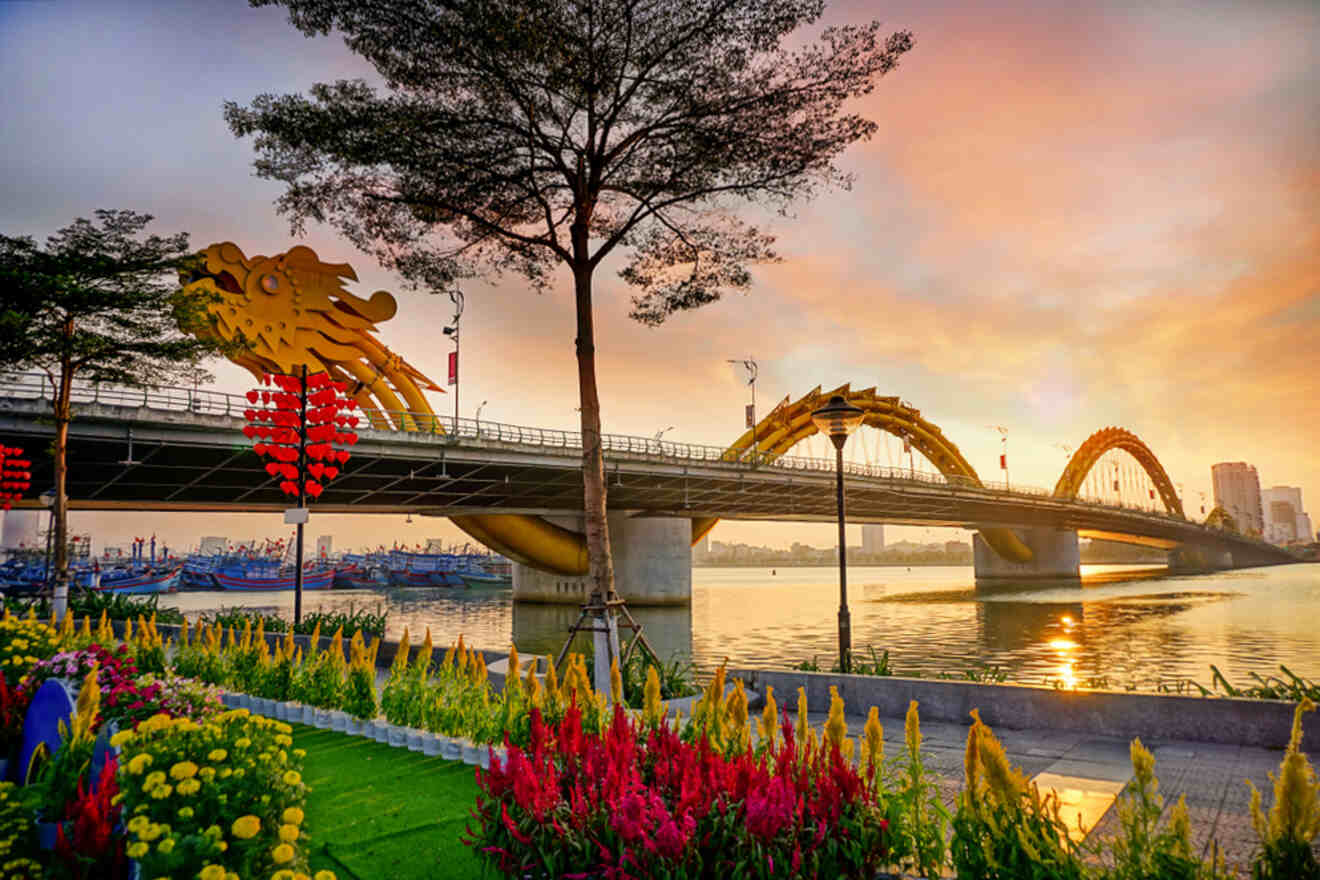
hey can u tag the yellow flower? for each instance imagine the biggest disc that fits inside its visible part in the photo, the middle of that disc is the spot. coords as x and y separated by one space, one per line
183 770
207 773
149 832
226 772
162 791
121 737
217 755
282 854
137 850
246 827
185 812
292 777
189 786
166 845
221 845
283 874
288 833
139 763
213 872
242 742
137 823
153 779
302 753
213 832
325 875
283 740
293 816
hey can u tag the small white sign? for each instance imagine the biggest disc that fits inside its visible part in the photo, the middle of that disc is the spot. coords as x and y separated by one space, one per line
295 515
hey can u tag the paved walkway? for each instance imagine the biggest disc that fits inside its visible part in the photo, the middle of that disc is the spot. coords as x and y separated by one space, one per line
1088 772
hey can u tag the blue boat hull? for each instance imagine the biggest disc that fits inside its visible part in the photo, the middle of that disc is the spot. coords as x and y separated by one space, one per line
312 580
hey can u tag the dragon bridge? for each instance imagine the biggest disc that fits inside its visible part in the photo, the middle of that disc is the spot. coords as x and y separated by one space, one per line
292 310
1086 456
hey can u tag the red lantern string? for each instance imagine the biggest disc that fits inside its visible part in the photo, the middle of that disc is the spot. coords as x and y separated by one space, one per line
279 423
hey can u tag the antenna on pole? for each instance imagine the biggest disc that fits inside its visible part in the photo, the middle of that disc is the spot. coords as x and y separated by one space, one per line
752 370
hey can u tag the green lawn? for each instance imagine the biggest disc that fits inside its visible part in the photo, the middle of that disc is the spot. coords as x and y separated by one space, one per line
379 812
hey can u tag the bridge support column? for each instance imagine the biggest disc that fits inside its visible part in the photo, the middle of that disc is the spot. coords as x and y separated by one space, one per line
652 564
1056 555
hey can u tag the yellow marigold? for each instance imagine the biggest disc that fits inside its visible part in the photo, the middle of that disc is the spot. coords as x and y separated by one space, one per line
138 763
213 832
292 777
121 737
137 823
213 872
282 874
154 778
217 755
242 742
300 753
293 816
221 846
246 827
189 786
325 875
149 831
283 739
186 813
166 846
288 833
183 770
137 850
206 774
282 854
162 791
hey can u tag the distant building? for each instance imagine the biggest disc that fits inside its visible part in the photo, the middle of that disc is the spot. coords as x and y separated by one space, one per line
873 539
22 528
1237 490
1285 520
213 545
324 545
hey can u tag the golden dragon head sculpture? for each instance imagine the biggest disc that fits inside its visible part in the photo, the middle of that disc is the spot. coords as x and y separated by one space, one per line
292 310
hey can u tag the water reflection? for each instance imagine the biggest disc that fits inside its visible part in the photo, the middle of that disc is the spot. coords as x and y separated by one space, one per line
1119 627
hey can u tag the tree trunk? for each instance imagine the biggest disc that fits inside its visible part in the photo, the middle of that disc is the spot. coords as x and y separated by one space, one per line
62 406
600 563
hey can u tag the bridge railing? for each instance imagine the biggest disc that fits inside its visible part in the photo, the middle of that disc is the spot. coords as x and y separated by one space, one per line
200 401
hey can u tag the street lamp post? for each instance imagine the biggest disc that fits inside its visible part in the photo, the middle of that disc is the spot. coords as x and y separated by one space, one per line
456 296
837 419
478 418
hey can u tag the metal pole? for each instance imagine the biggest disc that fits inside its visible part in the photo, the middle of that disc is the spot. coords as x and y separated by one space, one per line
754 445
45 569
845 620
458 377
302 498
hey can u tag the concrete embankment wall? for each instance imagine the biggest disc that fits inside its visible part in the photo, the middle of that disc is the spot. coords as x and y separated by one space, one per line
1264 723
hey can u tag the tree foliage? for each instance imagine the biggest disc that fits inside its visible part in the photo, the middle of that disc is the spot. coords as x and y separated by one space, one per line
505 123
100 302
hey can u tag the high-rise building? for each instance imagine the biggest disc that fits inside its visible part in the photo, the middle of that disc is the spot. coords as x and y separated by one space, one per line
873 539
1285 520
1237 490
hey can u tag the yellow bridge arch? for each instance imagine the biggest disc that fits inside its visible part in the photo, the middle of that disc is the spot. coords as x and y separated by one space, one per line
1085 458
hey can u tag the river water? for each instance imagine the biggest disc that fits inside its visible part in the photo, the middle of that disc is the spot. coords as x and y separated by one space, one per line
1124 626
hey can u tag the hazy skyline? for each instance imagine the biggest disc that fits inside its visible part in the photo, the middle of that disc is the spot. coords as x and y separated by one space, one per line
1071 217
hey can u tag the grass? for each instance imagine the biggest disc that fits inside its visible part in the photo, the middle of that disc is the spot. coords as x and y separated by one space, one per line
376 811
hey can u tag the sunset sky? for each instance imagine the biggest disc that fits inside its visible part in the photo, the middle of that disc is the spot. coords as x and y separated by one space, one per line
1072 216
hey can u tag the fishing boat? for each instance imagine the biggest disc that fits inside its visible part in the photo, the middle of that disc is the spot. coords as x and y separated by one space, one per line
126 582
244 580
485 579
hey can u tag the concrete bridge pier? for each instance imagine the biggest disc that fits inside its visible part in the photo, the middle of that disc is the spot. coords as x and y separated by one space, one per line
1056 556
652 564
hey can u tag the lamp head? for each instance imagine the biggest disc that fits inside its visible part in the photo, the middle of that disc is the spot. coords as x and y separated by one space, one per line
449 331
47 498
837 419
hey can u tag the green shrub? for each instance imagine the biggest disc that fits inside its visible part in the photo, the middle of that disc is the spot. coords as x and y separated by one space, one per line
1294 819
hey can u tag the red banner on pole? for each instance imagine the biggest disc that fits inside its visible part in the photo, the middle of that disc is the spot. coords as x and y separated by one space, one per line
1003 462
453 368
751 416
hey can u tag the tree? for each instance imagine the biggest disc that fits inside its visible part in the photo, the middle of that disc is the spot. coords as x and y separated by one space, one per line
521 136
99 304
